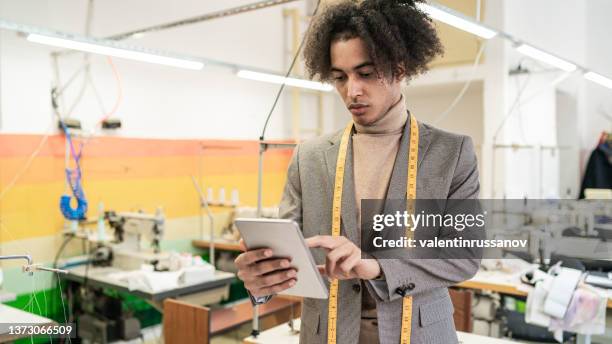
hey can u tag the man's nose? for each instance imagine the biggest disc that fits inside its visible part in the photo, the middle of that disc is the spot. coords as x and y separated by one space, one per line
355 88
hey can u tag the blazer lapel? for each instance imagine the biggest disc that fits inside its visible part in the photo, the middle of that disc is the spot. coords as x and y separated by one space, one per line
331 156
397 184
424 141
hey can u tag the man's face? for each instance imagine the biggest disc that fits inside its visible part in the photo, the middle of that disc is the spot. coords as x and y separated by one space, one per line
367 96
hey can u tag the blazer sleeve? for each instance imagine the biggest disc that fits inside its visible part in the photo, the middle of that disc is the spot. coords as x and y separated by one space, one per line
405 276
291 203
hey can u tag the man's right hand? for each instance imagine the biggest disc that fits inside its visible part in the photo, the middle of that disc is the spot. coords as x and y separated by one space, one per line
263 275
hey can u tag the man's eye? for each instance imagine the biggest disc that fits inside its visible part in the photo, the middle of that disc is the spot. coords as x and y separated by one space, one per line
339 78
365 75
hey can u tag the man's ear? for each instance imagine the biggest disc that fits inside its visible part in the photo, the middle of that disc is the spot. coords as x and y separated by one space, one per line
400 73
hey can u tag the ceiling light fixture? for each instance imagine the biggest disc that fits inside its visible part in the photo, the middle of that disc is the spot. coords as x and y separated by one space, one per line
277 79
109 50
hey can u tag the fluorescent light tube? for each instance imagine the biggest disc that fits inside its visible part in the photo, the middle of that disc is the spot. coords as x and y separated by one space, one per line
457 21
277 79
547 58
116 52
598 78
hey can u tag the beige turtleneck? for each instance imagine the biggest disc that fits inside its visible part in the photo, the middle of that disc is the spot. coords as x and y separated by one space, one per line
374 150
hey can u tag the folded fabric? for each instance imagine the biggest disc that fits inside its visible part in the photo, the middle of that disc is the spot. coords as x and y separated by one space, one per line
197 274
147 280
586 313
560 292
534 311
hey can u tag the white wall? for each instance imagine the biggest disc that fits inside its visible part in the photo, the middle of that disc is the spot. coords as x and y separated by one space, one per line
494 98
599 57
565 114
429 102
214 103
549 113
157 101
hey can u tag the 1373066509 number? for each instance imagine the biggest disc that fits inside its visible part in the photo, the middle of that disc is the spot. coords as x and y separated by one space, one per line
53 330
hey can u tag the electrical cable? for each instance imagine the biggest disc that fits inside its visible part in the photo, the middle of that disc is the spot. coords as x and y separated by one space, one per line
98 97
58 254
517 100
521 89
88 80
83 87
73 177
282 86
519 115
119 92
34 293
495 135
27 164
32 156
40 312
466 86
255 331
87 263
61 249
63 305
46 303
27 305
553 83
86 58
85 66
71 79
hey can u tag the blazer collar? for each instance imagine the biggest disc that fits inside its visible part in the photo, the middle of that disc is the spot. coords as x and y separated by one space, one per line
349 216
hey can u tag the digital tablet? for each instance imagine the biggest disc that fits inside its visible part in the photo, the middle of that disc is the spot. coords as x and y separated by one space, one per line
285 239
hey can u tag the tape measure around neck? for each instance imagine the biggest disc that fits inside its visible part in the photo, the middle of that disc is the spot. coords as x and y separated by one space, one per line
413 153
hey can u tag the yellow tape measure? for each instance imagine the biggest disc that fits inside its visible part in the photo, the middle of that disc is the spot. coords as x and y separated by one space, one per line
332 317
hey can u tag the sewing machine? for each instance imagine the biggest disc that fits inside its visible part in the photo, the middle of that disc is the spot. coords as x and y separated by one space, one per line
132 230
570 228
137 237
580 233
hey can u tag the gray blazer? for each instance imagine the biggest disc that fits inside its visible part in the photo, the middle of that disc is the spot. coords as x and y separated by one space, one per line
447 169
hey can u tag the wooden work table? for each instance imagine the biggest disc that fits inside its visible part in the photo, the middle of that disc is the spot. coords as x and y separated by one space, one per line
484 280
220 244
500 282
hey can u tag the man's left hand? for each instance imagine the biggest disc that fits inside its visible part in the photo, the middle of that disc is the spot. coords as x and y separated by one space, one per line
343 259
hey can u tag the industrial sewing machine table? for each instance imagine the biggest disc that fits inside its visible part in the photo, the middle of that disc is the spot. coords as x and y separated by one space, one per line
205 292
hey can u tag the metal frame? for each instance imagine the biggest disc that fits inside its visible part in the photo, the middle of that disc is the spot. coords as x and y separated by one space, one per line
209 16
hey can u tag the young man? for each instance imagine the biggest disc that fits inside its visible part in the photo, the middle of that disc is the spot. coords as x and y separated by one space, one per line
367 49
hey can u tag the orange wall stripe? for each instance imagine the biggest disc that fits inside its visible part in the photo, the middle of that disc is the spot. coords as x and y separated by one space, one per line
49 169
129 174
33 210
13 145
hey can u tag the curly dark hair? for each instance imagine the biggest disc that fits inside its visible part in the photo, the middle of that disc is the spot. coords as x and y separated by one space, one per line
400 38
